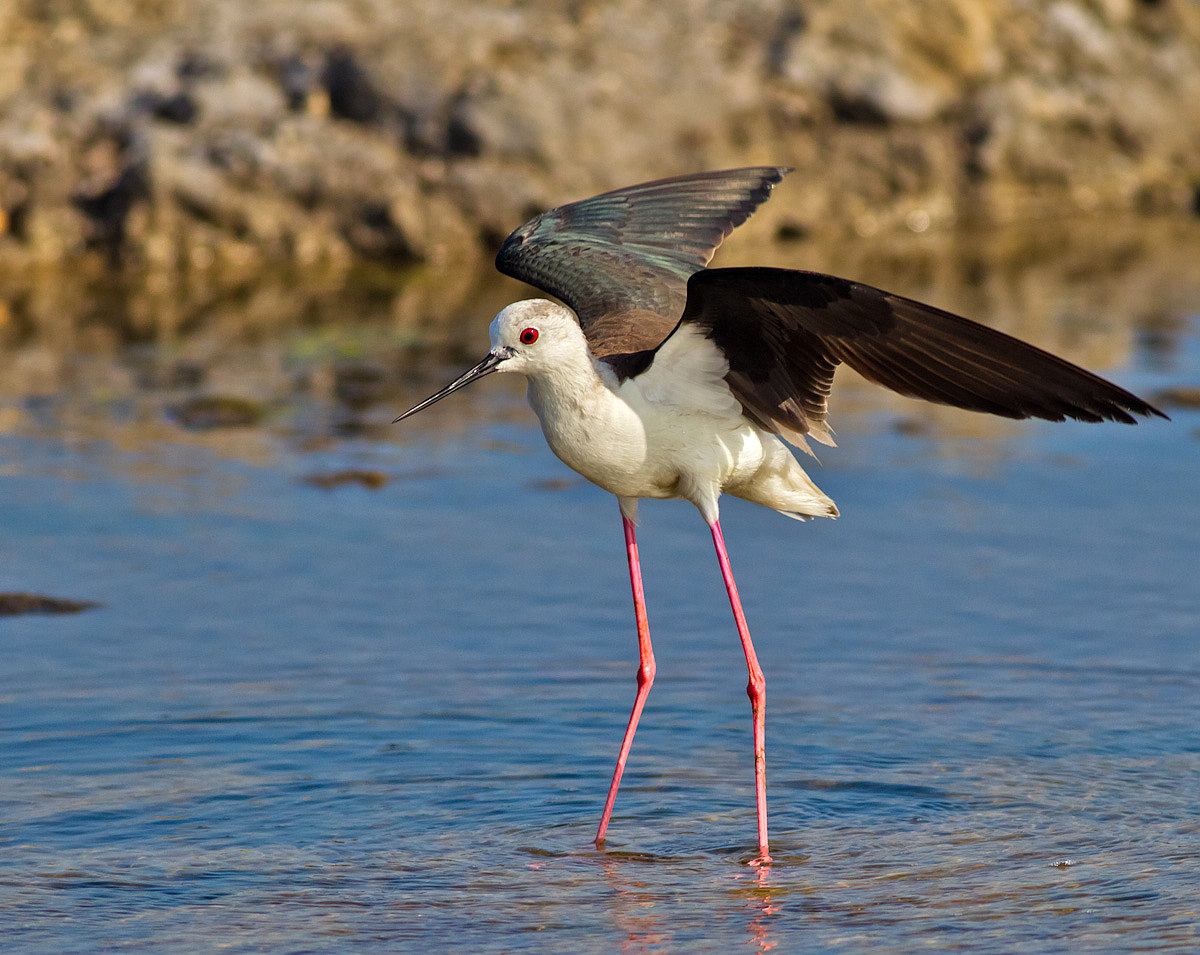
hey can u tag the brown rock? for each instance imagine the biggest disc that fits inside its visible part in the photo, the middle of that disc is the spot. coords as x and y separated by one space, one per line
218 411
185 133
13 604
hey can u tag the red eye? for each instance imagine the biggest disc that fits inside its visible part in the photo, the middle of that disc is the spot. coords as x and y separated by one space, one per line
528 336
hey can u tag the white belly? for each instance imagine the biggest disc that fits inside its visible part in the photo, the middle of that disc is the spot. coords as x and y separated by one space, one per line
634 450
634 447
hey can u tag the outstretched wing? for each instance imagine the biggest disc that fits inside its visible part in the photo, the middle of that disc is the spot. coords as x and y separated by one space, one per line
784 332
632 250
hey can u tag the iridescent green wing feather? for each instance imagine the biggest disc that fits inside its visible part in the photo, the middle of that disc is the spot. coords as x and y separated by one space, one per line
633 249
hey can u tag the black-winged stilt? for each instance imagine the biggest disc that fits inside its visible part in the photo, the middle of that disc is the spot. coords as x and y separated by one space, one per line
661 378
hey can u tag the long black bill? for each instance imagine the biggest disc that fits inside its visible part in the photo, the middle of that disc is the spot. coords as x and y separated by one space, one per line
483 369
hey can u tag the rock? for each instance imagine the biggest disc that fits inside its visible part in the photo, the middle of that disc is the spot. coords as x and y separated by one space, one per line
108 209
242 100
180 108
13 604
405 129
371 231
218 411
352 93
373 480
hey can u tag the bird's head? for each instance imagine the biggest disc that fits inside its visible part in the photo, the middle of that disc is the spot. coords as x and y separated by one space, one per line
535 334
527 337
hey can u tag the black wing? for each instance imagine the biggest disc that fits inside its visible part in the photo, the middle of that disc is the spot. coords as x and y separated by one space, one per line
633 249
784 332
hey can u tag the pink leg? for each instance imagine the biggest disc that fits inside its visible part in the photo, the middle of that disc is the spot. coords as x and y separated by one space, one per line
756 690
645 674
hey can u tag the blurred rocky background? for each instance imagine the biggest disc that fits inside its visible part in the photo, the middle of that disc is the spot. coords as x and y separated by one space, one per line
223 221
191 133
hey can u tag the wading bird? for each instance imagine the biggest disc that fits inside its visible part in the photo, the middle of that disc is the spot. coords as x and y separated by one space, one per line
661 378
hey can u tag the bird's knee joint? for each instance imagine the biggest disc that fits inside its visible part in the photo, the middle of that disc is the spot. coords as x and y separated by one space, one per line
756 689
645 674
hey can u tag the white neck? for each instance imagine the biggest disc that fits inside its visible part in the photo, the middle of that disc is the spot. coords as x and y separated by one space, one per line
570 386
577 403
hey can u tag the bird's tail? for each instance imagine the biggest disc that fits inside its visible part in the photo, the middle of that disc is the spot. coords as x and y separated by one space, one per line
785 487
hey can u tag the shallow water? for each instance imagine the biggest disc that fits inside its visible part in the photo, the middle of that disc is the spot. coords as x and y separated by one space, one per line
310 720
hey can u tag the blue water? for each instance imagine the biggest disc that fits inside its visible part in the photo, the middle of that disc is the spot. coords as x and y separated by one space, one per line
311 720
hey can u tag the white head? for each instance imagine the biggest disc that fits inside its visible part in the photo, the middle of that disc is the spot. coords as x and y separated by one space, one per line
535 334
527 337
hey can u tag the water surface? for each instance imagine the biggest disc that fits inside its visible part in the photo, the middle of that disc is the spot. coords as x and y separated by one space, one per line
314 720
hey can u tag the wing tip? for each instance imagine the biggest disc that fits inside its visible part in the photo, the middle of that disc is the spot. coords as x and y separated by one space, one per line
1117 405
1124 414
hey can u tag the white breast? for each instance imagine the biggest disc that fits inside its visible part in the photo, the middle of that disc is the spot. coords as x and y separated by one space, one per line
673 431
